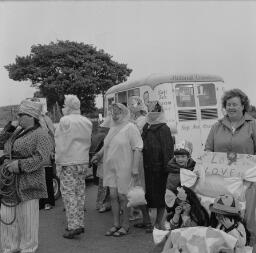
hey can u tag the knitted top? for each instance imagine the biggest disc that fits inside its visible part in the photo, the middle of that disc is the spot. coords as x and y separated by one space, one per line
32 149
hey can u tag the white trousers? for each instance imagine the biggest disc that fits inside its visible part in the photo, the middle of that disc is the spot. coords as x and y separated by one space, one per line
23 233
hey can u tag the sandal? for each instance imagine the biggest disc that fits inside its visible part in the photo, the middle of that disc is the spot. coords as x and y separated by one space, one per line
112 230
121 232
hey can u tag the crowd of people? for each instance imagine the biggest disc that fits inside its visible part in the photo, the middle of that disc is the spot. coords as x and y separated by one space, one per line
133 146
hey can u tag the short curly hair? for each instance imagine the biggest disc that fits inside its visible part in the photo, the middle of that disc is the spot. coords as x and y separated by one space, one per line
236 93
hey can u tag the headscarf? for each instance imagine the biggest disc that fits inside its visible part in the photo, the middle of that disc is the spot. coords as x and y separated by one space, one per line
156 113
135 104
31 108
116 126
72 103
125 115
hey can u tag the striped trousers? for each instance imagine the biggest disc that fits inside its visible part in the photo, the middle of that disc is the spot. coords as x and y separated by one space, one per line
22 235
72 187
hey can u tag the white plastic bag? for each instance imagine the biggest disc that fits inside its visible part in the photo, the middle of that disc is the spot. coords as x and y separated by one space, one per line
135 195
159 235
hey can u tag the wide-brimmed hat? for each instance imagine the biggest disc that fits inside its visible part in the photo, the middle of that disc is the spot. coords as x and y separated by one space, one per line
30 107
183 148
225 204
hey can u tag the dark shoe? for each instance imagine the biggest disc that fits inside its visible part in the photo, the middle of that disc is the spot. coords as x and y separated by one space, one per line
147 226
140 225
149 229
70 234
79 230
112 230
121 232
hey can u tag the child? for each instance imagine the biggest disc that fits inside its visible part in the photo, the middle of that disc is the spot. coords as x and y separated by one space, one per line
185 209
182 159
225 215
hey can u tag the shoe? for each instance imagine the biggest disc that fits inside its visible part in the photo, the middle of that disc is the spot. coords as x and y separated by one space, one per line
112 230
79 230
70 234
121 232
142 225
104 209
47 207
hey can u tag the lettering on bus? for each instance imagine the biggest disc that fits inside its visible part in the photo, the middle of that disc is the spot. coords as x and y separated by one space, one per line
165 103
162 94
188 128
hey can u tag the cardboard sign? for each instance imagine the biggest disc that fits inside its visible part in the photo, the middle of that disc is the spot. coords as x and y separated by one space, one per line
225 164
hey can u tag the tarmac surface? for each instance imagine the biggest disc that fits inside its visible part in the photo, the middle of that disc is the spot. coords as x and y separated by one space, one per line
52 225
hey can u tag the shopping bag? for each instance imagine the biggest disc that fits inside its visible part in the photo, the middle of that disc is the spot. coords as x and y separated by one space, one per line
135 195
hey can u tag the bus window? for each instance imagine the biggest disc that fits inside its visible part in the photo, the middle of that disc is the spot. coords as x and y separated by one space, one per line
111 101
185 95
122 97
206 94
133 92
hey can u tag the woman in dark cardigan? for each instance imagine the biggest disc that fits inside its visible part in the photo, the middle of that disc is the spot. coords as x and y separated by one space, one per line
158 150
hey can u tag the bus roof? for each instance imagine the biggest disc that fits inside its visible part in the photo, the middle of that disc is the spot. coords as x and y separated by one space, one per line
156 79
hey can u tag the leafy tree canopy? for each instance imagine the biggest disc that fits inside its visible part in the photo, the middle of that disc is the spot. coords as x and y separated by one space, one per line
67 67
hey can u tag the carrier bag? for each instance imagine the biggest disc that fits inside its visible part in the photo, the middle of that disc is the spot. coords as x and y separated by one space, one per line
135 195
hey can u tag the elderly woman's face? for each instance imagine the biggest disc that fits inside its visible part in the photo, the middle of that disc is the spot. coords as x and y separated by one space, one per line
25 120
234 107
116 113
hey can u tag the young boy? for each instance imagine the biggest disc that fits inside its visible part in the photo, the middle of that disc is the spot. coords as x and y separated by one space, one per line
181 160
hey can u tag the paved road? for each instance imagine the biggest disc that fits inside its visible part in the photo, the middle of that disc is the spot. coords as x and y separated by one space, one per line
52 224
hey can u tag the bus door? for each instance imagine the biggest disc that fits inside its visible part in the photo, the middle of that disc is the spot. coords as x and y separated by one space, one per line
208 108
187 115
164 94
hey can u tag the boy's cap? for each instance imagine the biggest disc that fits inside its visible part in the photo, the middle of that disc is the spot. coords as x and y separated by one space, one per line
183 148
225 204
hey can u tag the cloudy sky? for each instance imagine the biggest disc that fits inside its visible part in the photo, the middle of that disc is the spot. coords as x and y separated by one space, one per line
214 37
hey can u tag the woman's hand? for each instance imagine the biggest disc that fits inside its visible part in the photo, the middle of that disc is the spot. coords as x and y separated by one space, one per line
15 123
13 166
187 208
227 223
178 210
135 176
95 159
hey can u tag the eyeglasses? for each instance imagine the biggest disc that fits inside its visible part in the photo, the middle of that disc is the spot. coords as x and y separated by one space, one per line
23 114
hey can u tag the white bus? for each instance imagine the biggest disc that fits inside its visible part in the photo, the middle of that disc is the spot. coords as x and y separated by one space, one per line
192 102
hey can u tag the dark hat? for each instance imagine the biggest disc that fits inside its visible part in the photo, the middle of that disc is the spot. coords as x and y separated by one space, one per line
183 148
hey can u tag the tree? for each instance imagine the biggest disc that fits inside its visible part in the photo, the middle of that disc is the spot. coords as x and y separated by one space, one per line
67 67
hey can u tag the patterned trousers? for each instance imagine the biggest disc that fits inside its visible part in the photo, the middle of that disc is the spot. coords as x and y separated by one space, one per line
72 186
23 233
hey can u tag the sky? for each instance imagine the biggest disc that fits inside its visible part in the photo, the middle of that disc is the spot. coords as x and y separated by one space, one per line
209 37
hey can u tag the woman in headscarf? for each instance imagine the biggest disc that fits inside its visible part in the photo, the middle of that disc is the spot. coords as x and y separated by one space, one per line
157 151
121 155
27 149
138 112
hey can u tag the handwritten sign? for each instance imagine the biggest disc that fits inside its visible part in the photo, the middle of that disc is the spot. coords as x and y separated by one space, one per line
225 164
